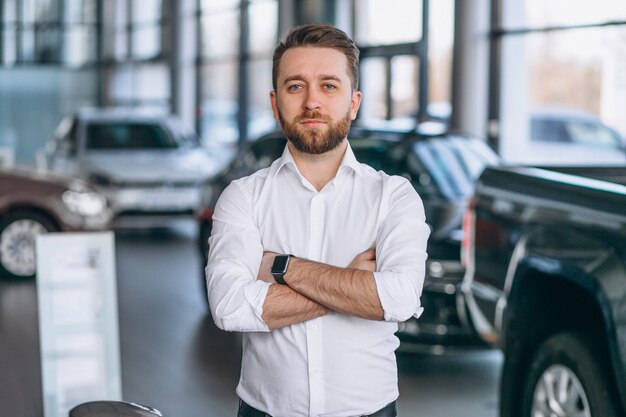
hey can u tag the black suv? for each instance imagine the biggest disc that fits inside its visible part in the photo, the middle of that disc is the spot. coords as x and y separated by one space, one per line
442 167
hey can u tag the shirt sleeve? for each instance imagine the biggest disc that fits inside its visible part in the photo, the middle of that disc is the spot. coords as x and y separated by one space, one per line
401 253
236 297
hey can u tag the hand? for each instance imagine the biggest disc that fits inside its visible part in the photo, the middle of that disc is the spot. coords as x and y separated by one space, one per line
265 270
365 261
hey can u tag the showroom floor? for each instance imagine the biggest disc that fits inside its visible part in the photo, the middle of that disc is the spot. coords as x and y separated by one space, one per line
176 360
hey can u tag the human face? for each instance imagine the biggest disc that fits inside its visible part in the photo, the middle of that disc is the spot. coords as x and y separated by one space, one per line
314 101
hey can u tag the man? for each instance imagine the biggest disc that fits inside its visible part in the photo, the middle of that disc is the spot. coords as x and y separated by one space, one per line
317 257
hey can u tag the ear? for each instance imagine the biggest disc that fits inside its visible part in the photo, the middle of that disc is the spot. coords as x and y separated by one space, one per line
274 102
355 103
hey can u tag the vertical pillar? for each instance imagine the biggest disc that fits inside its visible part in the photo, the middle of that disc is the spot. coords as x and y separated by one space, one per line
470 74
100 36
287 11
422 93
244 47
182 56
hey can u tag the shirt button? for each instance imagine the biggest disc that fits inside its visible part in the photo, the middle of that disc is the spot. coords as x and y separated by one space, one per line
316 235
314 327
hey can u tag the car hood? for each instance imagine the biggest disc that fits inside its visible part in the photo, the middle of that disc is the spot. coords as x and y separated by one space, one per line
18 172
149 166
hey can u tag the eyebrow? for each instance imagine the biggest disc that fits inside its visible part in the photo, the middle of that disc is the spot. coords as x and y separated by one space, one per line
323 77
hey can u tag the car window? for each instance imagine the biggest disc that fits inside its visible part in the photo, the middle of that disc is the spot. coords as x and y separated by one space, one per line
573 130
453 164
548 131
591 134
128 136
474 154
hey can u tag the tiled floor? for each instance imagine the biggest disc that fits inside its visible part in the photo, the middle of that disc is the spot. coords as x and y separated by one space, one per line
176 360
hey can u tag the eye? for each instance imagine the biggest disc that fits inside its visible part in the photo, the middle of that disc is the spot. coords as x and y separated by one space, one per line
330 87
295 87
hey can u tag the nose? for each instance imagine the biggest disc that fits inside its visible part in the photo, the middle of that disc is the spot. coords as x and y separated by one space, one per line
312 100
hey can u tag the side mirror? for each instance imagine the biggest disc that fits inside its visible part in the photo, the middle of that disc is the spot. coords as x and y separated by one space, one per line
113 409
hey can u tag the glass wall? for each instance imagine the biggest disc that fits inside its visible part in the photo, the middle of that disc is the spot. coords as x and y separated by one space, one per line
562 82
263 20
48 52
406 58
48 32
389 35
136 45
235 72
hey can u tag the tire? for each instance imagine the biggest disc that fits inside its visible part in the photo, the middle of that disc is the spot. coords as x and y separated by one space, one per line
571 364
18 234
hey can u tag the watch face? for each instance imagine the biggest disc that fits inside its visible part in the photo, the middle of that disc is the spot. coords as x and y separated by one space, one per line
280 264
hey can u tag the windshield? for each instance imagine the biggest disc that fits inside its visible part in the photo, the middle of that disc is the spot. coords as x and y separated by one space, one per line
128 136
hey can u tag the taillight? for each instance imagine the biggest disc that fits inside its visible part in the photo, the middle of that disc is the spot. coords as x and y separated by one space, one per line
469 218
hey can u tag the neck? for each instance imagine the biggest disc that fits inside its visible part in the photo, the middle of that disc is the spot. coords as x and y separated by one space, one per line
320 169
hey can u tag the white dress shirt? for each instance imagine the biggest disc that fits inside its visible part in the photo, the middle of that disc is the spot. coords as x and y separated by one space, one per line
335 365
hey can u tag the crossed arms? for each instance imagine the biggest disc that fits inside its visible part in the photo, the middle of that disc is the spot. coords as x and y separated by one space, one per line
384 283
314 289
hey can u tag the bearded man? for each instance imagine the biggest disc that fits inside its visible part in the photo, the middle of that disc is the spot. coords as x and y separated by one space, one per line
318 257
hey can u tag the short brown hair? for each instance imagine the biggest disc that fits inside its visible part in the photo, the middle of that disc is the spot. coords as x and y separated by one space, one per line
322 35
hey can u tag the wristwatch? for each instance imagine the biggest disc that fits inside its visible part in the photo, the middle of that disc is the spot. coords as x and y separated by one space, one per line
279 268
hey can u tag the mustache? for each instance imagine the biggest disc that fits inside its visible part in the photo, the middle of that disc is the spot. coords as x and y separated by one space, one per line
312 114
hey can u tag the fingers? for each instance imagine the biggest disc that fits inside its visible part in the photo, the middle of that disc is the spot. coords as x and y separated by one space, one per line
369 254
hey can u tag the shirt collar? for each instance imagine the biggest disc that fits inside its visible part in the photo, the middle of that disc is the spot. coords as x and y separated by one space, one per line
348 161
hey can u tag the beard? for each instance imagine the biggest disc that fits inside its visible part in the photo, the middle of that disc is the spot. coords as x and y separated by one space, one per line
315 141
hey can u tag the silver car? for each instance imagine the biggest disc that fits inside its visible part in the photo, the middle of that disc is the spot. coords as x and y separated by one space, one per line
148 166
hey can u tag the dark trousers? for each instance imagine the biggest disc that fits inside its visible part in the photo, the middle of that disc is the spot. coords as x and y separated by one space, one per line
246 410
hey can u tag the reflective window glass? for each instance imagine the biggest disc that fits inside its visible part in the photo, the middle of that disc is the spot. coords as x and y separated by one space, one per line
404 86
220 34
9 10
79 45
29 11
213 5
387 22
45 10
219 107
80 11
146 11
48 45
263 26
373 85
9 51
440 44
128 136
562 95
27 45
542 13
261 119
146 42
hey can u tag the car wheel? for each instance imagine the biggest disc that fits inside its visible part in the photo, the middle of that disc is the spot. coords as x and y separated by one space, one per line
569 376
18 234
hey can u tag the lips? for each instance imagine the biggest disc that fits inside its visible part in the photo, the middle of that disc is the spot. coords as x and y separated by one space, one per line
312 122
312 119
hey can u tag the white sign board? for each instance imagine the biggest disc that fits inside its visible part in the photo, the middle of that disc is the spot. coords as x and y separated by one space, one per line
78 324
